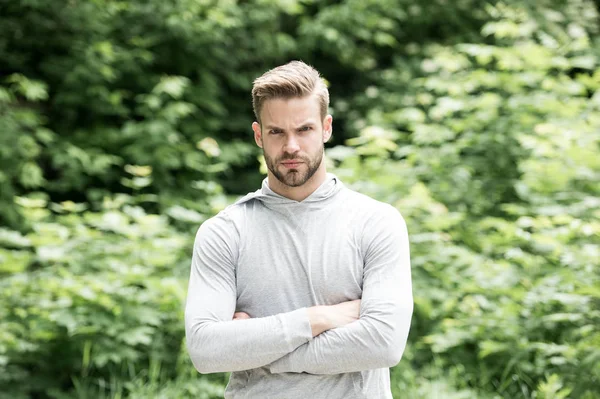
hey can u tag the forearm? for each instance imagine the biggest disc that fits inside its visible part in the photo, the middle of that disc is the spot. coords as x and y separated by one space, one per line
375 341
246 343
220 346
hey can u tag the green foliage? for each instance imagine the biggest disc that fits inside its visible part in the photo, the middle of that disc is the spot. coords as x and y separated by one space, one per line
86 294
125 124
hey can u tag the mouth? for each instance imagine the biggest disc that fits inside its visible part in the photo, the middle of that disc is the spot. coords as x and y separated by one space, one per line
291 164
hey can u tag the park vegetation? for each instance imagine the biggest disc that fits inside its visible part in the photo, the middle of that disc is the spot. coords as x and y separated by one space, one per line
124 124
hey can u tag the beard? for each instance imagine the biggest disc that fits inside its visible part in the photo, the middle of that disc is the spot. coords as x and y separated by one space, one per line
295 177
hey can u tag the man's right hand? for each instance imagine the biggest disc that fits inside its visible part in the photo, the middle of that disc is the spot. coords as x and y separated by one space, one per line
323 318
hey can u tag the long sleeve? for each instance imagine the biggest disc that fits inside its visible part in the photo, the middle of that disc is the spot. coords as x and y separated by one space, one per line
216 343
378 338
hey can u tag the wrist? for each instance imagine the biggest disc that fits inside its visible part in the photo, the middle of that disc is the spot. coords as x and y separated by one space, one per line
319 322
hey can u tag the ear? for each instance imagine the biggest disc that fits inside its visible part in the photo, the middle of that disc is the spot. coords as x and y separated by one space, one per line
327 128
257 134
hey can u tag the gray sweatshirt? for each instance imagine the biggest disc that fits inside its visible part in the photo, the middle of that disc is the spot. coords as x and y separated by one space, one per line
273 257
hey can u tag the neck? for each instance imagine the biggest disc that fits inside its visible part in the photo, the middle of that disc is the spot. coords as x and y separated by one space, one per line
301 192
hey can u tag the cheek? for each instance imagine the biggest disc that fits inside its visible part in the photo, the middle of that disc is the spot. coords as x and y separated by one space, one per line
271 149
316 142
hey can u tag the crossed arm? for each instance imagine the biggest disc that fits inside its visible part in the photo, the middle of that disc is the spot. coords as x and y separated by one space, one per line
344 341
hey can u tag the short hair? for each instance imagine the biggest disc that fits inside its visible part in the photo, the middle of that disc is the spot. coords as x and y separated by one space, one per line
294 79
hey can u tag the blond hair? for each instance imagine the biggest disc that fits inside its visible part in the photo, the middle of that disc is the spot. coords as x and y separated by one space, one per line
294 79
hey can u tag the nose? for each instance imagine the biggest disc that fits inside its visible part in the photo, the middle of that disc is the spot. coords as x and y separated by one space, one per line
291 145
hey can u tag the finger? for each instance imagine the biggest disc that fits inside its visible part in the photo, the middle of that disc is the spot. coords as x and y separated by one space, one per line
240 316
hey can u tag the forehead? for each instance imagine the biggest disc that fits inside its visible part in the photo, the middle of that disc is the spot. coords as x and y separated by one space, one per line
290 111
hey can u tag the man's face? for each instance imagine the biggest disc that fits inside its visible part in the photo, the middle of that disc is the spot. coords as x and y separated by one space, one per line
292 136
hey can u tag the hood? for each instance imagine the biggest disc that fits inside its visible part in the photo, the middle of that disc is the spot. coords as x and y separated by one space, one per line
320 197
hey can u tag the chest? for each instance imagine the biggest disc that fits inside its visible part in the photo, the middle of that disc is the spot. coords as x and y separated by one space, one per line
292 261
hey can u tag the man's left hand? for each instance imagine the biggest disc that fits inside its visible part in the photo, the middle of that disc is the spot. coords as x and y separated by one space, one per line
241 316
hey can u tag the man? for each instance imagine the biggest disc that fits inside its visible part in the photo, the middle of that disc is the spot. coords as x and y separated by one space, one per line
303 288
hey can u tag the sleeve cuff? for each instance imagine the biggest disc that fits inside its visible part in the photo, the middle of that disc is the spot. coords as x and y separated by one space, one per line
296 328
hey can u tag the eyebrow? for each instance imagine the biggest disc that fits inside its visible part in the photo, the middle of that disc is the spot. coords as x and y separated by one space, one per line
307 123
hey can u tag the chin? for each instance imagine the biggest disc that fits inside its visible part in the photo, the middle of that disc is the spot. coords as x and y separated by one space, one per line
294 179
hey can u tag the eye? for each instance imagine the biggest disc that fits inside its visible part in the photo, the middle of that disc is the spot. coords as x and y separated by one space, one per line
274 131
305 128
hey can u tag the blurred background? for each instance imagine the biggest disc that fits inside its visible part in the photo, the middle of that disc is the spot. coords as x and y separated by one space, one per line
124 124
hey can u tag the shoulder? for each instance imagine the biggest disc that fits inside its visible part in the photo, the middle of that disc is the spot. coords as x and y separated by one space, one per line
377 222
224 226
370 208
